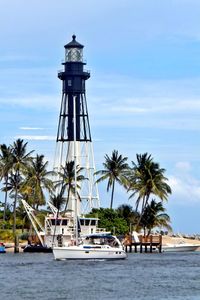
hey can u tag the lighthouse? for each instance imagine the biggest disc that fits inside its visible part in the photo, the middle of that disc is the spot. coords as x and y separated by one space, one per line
74 128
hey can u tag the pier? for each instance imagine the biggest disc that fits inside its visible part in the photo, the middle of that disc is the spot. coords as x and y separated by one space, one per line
143 243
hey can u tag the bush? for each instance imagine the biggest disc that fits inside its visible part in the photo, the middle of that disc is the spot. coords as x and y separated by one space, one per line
6 235
24 236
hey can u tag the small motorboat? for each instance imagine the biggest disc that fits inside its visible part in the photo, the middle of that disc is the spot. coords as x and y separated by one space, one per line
2 248
181 247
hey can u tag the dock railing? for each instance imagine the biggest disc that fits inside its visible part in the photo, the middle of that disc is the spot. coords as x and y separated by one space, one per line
150 243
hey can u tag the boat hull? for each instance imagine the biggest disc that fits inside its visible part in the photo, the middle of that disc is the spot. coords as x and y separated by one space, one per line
37 249
62 253
180 248
2 249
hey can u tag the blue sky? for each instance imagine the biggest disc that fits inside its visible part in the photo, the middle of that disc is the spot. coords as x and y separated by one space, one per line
143 94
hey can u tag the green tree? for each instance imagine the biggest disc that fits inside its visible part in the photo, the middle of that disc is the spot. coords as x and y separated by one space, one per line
115 168
13 187
67 180
137 176
6 163
21 160
127 213
110 220
146 178
58 200
6 224
22 217
37 179
155 216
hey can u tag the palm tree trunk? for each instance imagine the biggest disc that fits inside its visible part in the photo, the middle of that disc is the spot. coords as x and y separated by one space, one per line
112 194
142 211
137 205
143 204
67 202
146 201
16 244
5 202
149 232
144 229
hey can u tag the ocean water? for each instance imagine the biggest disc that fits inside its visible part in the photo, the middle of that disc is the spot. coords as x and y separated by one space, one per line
164 276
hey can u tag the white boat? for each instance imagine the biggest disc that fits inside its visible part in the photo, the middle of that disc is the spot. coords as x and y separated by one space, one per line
182 247
94 246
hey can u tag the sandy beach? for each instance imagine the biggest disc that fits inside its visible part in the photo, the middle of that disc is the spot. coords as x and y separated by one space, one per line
10 247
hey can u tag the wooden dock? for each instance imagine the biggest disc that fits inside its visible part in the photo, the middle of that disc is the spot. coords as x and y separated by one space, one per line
145 244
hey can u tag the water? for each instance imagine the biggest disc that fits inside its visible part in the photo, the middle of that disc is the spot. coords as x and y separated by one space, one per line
163 276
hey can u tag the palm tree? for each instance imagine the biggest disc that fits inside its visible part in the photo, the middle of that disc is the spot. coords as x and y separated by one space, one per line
137 177
6 162
146 178
154 216
58 200
13 186
67 178
37 179
22 216
127 213
21 159
115 168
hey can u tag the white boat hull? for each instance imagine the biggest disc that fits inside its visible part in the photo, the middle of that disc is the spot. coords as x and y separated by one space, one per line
81 252
179 248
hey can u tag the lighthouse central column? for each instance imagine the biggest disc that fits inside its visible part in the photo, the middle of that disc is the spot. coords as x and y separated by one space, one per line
73 79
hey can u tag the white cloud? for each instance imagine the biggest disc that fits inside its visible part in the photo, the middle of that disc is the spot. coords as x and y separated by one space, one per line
184 191
162 105
36 137
185 186
31 128
127 102
33 101
19 58
183 166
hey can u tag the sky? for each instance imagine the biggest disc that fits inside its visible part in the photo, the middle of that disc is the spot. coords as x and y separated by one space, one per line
143 94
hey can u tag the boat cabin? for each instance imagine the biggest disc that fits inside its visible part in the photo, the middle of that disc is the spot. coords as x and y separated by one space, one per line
61 230
101 239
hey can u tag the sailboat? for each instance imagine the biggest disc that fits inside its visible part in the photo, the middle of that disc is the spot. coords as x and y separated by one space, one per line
92 246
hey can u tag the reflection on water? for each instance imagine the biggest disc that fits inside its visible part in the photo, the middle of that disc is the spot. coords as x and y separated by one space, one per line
142 277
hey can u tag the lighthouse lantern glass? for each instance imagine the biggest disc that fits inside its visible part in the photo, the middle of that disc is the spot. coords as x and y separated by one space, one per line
74 54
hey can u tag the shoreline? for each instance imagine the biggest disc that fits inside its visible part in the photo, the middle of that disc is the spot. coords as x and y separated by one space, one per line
166 240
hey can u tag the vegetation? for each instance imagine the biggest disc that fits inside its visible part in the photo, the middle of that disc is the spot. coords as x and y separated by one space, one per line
37 180
6 162
67 178
115 169
154 216
24 176
127 213
146 178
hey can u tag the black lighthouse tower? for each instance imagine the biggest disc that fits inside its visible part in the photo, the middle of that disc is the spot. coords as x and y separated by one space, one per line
73 127
73 82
